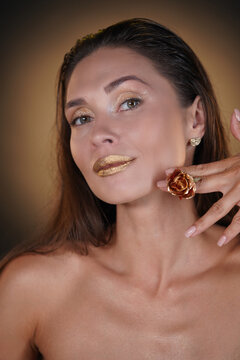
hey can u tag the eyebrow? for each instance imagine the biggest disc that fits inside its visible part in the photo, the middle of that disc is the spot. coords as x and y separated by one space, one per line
114 84
76 102
110 87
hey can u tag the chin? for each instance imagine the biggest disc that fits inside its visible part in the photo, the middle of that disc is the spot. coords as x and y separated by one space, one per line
115 199
122 195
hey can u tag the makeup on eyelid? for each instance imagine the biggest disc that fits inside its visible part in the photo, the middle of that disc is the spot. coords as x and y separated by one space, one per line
128 93
120 102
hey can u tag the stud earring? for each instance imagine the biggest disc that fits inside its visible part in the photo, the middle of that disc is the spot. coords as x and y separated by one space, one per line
195 141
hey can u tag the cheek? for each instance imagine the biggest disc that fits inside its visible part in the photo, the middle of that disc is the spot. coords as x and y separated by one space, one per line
172 139
161 142
78 151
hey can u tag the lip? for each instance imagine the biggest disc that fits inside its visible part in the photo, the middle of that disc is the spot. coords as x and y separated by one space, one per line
111 164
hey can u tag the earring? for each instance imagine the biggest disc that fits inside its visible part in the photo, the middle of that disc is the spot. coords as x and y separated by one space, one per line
195 141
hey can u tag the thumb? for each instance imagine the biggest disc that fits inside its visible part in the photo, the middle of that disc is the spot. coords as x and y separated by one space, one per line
235 124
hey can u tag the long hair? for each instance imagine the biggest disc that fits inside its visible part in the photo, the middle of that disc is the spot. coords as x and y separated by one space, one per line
79 217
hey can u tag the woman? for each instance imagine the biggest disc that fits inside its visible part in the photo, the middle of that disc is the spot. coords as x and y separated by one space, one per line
133 101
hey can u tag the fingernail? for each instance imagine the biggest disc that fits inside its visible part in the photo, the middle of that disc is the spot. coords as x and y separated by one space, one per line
237 113
169 171
222 240
162 183
190 231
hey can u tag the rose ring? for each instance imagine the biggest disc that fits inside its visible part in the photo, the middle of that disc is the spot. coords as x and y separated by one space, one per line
182 184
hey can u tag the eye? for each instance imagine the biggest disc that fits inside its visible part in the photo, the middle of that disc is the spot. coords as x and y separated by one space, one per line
80 120
130 104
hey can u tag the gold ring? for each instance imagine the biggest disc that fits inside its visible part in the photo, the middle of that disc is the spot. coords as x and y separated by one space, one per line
182 184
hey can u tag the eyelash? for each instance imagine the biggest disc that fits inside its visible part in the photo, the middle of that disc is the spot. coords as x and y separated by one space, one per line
139 101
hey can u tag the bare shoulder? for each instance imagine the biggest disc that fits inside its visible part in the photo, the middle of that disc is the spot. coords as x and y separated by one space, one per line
28 284
18 308
27 277
22 273
34 272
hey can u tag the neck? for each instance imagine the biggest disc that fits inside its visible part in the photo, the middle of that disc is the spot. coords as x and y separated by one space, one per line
149 245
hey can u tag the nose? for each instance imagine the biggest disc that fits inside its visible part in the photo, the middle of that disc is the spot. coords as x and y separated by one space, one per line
103 133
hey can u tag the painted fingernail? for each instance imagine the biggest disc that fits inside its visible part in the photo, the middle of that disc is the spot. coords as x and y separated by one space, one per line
222 240
169 171
237 113
190 231
162 183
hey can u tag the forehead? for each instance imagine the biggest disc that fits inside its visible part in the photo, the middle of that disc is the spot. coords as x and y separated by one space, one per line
106 64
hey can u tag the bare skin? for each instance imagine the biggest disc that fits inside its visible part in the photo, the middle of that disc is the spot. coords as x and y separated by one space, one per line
83 308
153 293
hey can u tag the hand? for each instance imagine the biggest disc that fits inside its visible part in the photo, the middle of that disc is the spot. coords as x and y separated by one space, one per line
219 176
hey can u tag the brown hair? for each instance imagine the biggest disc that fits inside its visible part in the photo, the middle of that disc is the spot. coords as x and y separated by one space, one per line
80 218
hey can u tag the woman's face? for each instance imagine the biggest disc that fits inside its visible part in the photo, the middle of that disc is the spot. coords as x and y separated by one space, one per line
118 104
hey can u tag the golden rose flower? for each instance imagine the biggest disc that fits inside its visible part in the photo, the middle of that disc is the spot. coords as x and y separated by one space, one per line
181 184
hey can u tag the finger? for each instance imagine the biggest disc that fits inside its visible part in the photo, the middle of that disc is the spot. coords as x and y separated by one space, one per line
206 184
217 211
235 124
162 185
210 183
209 168
222 181
231 231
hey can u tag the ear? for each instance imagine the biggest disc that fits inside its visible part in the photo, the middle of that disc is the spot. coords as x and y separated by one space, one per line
195 119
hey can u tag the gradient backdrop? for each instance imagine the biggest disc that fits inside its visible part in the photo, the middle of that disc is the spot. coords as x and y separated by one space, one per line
36 36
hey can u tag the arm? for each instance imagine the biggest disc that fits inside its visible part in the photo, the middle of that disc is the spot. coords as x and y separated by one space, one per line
17 312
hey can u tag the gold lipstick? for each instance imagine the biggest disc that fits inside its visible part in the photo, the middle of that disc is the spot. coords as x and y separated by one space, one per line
111 164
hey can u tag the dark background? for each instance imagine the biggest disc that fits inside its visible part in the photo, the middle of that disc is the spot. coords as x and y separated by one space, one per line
35 37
